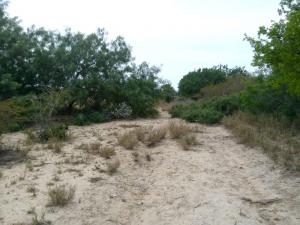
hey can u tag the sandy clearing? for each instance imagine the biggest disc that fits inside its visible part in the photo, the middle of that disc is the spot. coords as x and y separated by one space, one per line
206 186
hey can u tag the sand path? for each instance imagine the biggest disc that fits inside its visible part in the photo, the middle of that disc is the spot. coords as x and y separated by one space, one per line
219 182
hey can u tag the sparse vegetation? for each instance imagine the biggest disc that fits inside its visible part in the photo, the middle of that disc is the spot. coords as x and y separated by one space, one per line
128 140
178 129
156 135
39 221
279 139
142 132
55 146
187 141
60 196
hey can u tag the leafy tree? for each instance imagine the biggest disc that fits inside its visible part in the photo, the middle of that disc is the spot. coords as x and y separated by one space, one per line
192 82
277 47
168 93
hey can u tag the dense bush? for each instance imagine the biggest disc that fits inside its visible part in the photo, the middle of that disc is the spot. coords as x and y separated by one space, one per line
86 77
16 113
209 112
193 82
231 86
168 93
263 98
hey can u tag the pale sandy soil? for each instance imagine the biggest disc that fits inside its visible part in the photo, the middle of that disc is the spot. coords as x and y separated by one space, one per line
205 186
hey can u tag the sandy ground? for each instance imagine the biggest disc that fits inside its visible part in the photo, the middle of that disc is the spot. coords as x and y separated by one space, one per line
218 182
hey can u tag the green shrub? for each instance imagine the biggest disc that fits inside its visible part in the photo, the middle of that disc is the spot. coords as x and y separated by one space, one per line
57 131
16 113
209 112
205 115
81 119
97 117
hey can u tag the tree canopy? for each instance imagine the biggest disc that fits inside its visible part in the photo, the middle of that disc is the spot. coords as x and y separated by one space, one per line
277 48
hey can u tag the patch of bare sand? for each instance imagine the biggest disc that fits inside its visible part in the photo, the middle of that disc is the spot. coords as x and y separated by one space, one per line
218 182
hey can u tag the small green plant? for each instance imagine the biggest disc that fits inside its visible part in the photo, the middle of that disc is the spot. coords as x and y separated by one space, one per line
128 140
113 166
107 152
60 196
1 174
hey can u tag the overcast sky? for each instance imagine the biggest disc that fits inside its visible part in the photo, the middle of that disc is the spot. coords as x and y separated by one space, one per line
179 35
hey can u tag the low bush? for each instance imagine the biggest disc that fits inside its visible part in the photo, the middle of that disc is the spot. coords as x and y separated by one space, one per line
187 141
16 113
128 140
56 131
86 118
121 111
60 196
178 129
156 135
107 152
208 112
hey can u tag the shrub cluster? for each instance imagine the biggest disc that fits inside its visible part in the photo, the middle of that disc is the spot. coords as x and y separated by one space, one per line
208 112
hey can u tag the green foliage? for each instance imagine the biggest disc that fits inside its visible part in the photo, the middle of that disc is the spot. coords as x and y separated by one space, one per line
55 131
263 98
168 93
231 86
16 113
71 73
277 48
209 112
191 83
85 118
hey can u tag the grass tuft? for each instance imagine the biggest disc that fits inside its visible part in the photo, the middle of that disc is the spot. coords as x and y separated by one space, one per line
107 152
178 129
156 135
187 141
60 196
128 140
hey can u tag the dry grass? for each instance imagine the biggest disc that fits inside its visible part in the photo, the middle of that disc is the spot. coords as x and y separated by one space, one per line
278 139
107 152
113 166
91 148
178 129
156 135
142 133
39 221
128 140
55 146
60 196
187 141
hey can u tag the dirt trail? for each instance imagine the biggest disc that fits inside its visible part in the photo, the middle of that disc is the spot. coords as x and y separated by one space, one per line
219 182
